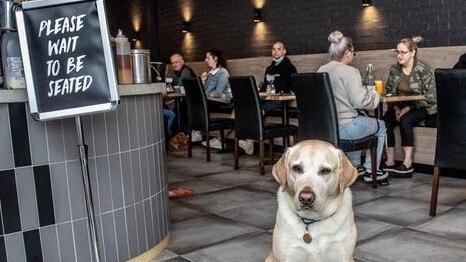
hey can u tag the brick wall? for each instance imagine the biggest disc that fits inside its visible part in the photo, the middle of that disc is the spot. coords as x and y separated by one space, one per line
303 25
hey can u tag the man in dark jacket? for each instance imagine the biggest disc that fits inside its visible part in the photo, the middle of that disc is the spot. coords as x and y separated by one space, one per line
280 70
179 69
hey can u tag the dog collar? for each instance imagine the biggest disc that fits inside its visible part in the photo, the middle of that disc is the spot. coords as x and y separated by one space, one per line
307 238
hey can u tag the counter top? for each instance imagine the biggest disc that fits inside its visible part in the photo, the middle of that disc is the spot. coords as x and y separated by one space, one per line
20 95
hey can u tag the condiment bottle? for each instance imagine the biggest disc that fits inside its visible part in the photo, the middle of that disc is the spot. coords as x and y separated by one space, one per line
124 66
12 62
370 77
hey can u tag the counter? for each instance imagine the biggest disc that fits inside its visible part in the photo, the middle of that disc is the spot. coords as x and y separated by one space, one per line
43 214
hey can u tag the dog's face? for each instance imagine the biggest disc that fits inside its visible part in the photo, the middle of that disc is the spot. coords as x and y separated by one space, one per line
314 173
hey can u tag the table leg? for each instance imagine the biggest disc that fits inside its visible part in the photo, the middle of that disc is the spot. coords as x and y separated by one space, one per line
178 116
285 122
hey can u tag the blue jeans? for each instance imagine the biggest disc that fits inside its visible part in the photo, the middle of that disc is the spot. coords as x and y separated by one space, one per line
360 127
169 117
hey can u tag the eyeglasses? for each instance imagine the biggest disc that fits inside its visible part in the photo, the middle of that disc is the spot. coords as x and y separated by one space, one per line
399 52
352 51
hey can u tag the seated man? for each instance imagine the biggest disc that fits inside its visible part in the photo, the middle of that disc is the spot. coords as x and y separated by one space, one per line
179 69
280 70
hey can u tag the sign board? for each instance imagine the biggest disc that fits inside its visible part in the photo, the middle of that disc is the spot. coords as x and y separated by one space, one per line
67 58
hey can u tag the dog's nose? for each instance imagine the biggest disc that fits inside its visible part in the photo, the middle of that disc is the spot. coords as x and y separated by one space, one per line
306 198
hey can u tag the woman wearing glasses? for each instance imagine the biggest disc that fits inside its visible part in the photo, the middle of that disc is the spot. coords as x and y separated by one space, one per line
409 75
350 95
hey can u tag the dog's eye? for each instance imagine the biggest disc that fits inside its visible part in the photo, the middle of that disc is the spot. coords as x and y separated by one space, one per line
325 171
297 169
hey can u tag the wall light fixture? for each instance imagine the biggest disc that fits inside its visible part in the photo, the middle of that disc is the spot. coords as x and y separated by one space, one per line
257 15
366 3
186 27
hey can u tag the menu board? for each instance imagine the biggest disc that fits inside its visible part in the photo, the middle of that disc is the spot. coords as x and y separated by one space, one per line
67 58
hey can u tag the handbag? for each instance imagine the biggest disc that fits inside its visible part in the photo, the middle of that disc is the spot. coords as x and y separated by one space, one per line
179 142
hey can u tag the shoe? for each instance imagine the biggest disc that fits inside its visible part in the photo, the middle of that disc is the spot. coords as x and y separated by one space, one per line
381 175
247 146
386 168
402 172
361 172
196 136
402 169
214 143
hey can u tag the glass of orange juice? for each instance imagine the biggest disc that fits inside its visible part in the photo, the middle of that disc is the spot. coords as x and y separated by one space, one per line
379 86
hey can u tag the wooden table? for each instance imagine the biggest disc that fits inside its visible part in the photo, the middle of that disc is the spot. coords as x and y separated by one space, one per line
284 99
395 98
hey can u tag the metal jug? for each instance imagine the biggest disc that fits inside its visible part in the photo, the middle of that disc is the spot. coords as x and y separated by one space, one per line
8 19
141 66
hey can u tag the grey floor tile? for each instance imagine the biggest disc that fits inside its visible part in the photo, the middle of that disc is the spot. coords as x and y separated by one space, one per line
166 255
267 184
399 211
462 205
179 212
249 248
408 245
226 199
448 194
193 234
363 193
257 213
201 186
368 228
243 177
451 224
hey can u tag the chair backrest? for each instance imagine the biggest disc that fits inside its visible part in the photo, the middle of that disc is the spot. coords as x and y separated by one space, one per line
451 122
196 100
249 121
317 114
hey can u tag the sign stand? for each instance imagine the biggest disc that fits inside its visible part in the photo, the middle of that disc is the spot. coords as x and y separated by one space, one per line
67 75
87 190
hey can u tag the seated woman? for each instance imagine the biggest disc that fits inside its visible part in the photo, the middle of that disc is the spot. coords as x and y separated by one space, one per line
350 95
216 80
408 76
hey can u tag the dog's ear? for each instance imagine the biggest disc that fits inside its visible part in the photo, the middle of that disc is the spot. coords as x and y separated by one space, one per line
279 170
348 174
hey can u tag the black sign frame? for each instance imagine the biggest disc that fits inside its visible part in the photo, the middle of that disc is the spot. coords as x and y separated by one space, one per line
87 65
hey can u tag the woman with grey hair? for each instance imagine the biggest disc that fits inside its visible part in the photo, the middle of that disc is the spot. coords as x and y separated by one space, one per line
350 95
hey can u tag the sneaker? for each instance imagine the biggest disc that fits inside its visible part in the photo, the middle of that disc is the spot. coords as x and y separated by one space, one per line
402 172
402 169
196 136
388 168
381 175
361 170
247 146
214 143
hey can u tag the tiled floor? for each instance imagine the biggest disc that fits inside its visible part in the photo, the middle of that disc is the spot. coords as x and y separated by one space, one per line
231 215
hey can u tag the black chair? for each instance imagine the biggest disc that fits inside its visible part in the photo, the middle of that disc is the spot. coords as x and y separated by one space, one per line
249 120
317 116
199 117
450 151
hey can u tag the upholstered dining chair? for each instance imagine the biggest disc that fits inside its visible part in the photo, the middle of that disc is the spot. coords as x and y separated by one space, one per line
199 116
317 116
249 118
450 150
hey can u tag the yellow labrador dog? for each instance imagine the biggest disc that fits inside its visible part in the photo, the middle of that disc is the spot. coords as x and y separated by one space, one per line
315 220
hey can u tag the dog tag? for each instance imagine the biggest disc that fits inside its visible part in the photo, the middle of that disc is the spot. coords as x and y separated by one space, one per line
307 238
